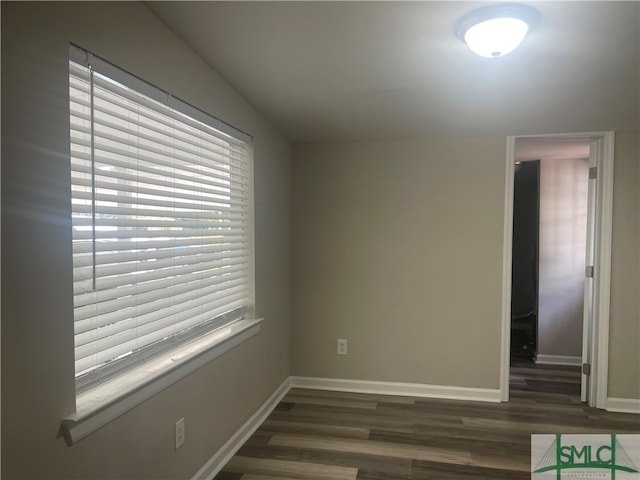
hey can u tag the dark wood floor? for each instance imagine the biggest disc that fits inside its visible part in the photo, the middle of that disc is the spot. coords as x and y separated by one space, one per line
330 435
554 380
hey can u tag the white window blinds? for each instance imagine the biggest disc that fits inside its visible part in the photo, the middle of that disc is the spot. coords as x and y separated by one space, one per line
162 220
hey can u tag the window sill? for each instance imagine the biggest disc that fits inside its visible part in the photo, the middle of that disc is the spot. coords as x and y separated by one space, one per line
97 407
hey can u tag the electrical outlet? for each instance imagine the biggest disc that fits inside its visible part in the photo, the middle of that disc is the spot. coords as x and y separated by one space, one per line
342 346
179 431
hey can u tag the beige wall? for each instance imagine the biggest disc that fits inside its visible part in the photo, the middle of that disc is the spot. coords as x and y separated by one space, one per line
624 339
37 314
564 185
397 247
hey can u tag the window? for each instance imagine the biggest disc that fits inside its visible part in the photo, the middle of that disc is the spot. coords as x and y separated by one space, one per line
162 221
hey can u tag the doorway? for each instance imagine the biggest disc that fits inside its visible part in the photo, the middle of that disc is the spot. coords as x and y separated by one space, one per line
550 206
524 309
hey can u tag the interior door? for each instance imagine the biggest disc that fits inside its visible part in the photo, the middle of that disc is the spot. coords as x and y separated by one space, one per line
587 387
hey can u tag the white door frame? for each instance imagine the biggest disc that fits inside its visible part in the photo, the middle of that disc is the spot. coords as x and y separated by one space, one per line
602 263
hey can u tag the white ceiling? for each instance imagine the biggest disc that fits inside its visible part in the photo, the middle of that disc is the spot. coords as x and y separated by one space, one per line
334 71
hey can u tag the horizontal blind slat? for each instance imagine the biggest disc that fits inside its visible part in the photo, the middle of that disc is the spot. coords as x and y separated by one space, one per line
156 328
98 297
81 166
161 205
87 258
149 106
86 357
156 207
134 266
114 172
112 191
137 316
82 208
113 239
153 148
156 223
97 314
127 246
81 285
80 107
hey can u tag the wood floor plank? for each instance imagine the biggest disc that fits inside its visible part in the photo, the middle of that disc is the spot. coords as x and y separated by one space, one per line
275 426
331 402
549 427
437 471
227 475
251 476
384 449
390 467
453 443
289 469
339 416
473 434
352 396
502 460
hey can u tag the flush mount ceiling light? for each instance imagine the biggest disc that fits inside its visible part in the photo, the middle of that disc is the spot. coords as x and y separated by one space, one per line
497 30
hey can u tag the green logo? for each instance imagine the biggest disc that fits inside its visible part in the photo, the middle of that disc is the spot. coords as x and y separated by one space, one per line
586 454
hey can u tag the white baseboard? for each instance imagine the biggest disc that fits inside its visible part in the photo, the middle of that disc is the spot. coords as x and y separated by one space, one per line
623 405
228 450
558 360
396 388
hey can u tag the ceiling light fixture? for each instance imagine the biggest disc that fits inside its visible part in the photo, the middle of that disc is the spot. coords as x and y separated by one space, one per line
497 30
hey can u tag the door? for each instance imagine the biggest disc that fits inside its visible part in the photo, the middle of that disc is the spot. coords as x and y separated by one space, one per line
588 347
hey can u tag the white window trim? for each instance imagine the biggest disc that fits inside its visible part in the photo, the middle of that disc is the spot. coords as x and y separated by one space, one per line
101 405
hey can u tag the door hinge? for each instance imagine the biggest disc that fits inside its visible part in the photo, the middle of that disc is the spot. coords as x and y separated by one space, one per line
593 172
586 369
588 271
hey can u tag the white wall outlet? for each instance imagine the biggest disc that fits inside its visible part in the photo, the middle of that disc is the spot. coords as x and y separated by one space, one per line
342 346
179 431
